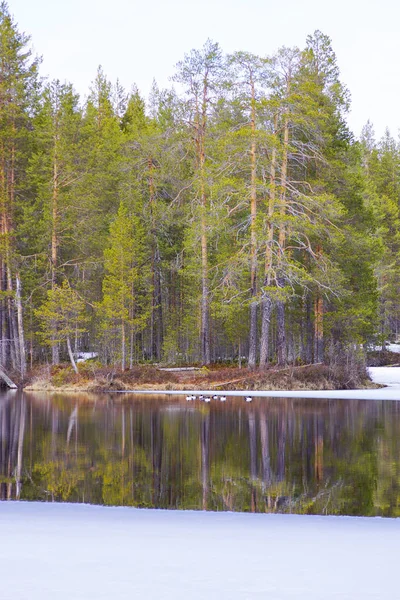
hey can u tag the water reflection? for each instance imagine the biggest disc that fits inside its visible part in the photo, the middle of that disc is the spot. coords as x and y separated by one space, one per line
273 455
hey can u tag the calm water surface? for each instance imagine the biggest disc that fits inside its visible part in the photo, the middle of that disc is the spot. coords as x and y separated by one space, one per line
271 455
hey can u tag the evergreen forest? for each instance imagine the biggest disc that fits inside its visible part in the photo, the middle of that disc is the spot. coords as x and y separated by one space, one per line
232 218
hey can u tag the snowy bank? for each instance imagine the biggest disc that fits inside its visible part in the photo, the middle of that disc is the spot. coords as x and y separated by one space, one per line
81 552
389 376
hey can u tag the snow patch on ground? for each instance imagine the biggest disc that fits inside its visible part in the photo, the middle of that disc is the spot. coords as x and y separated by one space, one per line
83 356
80 552
389 376
389 347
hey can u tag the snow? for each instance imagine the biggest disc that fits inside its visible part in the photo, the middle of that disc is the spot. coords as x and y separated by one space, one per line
83 356
389 347
393 347
81 552
389 376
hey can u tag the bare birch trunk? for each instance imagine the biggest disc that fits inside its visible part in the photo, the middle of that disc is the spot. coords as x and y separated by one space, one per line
71 356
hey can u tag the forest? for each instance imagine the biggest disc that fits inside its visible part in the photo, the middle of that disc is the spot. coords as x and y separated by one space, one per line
233 218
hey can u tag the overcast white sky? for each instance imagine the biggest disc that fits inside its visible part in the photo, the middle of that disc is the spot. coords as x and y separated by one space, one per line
138 40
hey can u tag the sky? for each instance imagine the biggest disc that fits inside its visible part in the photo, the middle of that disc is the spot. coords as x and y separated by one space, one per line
137 41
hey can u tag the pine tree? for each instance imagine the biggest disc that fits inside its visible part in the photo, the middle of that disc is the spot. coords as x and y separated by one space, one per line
200 74
18 84
55 168
62 316
125 307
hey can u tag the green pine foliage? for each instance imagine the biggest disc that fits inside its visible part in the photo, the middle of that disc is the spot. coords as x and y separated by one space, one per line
238 205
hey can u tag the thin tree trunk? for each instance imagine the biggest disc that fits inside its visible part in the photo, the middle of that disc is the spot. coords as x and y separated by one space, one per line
55 354
280 333
205 309
14 344
71 356
318 330
266 307
21 336
266 297
158 341
13 319
318 320
123 346
253 236
280 305
131 349
156 329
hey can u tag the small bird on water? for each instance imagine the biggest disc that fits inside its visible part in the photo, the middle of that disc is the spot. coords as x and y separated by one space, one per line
249 398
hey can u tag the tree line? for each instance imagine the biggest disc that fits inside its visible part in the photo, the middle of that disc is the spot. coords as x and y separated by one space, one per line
232 217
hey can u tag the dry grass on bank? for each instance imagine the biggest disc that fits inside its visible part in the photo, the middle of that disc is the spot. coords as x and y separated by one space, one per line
383 358
97 378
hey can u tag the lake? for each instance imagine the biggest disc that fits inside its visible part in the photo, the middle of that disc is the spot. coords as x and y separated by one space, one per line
284 455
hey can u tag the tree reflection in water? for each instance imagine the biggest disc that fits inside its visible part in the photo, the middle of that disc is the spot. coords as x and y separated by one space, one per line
273 455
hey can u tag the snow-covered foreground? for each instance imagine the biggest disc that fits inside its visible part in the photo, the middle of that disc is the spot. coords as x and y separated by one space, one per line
72 552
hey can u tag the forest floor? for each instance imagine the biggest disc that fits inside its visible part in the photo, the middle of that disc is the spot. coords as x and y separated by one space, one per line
96 378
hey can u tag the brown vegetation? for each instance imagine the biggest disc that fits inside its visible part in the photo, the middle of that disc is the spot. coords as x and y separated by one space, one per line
382 358
95 377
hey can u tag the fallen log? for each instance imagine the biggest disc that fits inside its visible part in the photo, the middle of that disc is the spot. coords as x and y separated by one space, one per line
7 380
178 369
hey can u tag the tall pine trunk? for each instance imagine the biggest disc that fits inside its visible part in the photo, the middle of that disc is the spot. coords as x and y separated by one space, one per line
156 317
318 330
253 236
21 336
267 304
205 300
55 355
280 305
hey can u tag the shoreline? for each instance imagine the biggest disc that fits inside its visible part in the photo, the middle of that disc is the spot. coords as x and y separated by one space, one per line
150 379
379 393
149 389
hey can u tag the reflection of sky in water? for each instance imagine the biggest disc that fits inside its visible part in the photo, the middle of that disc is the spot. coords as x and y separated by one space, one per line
271 455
